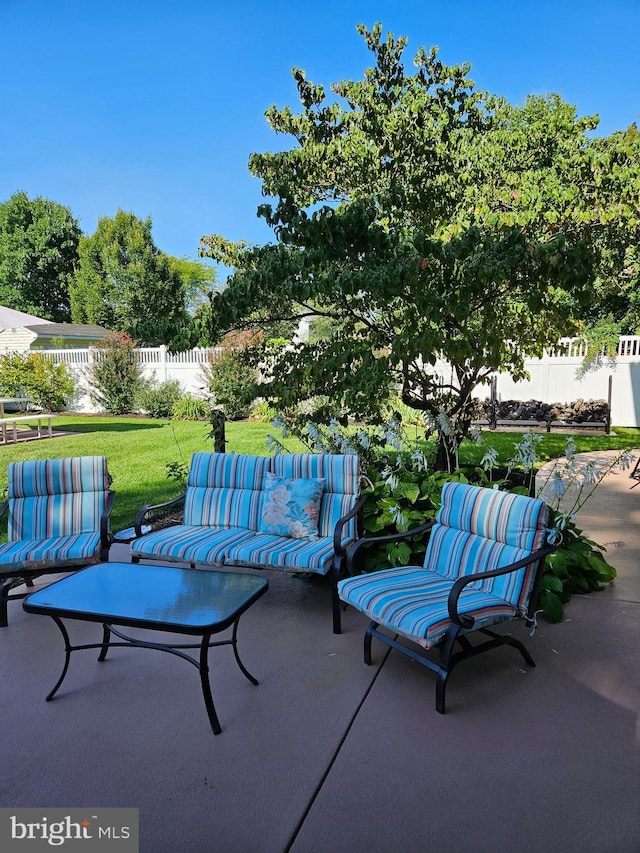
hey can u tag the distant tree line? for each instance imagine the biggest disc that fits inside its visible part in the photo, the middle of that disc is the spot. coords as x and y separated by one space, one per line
116 277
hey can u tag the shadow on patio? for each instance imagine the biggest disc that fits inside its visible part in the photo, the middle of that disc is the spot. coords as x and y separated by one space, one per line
327 754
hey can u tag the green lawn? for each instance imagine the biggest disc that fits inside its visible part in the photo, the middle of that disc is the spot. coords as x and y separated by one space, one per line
137 450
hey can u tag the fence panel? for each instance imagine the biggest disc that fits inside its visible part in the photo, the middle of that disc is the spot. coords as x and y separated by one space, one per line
555 378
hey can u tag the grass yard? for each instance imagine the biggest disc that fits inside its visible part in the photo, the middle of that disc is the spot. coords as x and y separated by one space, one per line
138 449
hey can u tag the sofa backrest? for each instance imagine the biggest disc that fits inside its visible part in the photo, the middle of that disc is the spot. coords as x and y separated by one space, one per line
56 497
224 490
342 487
479 529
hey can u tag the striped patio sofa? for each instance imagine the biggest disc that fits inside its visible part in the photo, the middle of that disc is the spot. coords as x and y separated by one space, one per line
483 564
292 512
58 519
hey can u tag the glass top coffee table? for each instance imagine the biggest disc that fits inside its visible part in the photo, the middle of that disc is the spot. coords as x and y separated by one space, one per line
195 602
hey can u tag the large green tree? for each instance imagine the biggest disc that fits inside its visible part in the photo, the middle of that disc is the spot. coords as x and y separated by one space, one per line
125 283
431 224
38 255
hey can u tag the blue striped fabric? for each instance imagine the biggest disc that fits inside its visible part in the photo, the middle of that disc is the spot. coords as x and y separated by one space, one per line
58 476
342 475
188 544
262 549
56 497
227 470
479 530
224 490
83 548
504 517
412 602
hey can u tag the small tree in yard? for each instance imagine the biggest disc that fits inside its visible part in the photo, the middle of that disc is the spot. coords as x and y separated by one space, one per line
423 220
232 384
114 375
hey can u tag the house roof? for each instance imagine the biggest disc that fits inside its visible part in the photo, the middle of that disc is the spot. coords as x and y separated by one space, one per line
12 319
67 330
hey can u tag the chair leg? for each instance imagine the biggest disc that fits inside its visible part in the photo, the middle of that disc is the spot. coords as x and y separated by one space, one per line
441 686
4 593
367 642
335 607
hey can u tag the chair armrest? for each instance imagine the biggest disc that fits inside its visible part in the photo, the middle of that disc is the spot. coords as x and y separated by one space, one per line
105 526
353 549
466 621
147 508
340 523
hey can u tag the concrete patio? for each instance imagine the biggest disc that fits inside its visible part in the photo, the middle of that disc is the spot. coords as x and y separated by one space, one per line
327 754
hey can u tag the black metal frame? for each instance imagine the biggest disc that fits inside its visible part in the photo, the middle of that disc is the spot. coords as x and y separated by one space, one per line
201 664
461 623
26 575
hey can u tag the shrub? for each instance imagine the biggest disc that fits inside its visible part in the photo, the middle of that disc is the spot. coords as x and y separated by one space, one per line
34 375
158 399
114 376
232 384
189 408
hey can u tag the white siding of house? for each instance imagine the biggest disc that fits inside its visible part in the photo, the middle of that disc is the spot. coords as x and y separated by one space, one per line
16 340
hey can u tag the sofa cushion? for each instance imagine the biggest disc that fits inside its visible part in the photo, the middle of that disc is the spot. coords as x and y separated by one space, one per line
480 530
62 551
413 602
262 549
224 490
56 497
342 475
291 507
189 544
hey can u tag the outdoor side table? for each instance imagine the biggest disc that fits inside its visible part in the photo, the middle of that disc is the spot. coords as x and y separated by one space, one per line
195 602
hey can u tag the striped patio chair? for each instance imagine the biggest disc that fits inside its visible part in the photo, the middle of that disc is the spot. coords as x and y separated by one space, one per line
483 564
58 520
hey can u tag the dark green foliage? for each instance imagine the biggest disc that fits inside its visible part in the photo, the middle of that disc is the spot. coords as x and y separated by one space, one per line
38 256
114 375
577 566
125 282
232 384
158 399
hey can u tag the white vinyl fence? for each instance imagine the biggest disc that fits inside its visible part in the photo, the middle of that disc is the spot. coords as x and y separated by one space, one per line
155 363
556 378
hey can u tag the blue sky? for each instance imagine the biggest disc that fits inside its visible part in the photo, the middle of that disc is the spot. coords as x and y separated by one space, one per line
155 107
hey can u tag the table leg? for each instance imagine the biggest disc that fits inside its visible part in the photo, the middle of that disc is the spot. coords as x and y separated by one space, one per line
67 651
206 686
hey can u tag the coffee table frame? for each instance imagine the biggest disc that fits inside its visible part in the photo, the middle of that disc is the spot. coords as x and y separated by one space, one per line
37 603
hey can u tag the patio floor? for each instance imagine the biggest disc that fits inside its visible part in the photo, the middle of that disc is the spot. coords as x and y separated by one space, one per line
327 754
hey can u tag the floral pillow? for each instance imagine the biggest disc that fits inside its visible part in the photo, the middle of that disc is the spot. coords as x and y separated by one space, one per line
291 507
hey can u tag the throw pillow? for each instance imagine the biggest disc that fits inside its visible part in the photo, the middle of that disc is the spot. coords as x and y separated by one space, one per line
291 507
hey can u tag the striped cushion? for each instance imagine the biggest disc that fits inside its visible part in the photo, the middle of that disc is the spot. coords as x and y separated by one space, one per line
186 544
479 530
293 554
224 490
227 470
58 476
56 497
502 516
83 548
342 475
413 602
